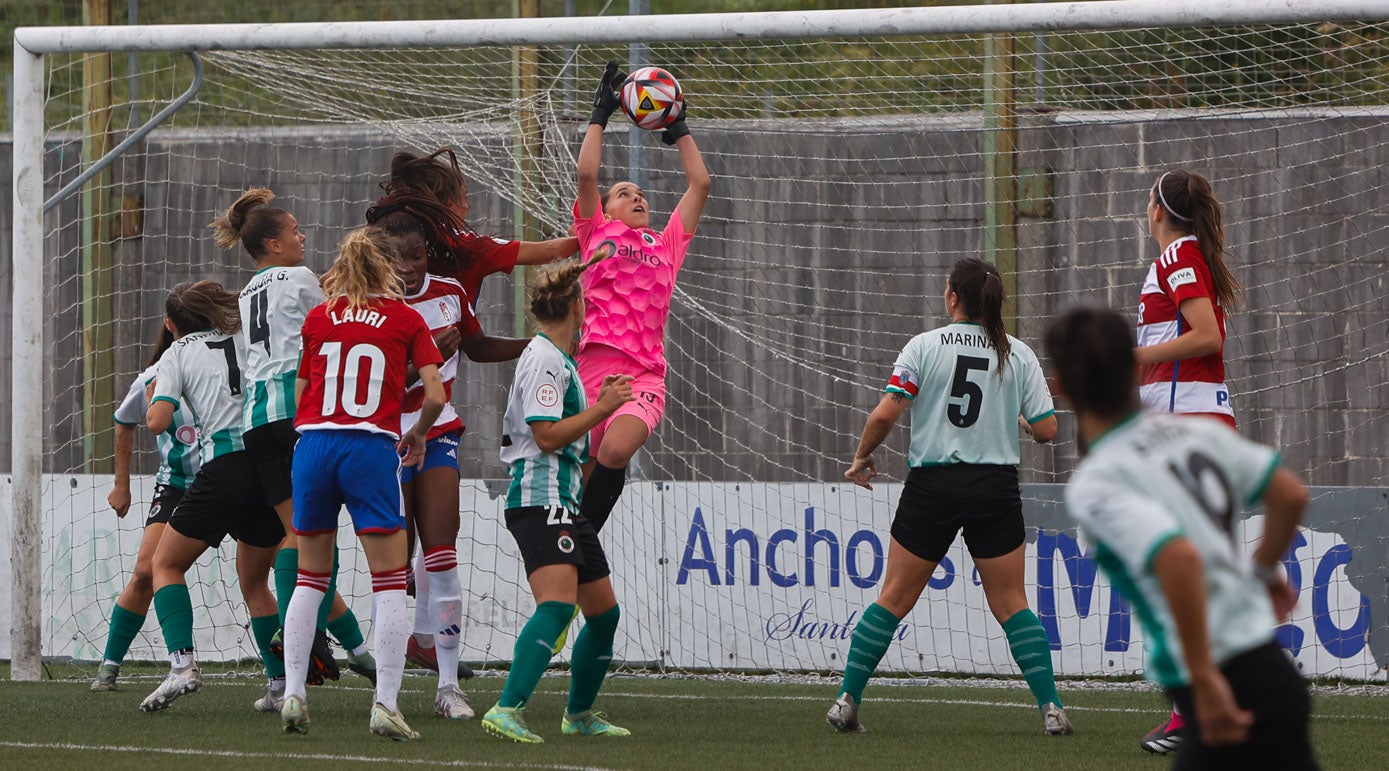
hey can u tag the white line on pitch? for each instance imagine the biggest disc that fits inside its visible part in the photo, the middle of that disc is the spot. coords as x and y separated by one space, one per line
283 756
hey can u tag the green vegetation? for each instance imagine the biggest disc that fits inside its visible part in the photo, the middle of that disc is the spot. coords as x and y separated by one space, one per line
677 723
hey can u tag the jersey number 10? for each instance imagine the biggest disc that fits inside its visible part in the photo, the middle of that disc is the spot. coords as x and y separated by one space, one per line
341 382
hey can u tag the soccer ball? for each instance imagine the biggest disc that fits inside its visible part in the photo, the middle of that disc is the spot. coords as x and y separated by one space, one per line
651 98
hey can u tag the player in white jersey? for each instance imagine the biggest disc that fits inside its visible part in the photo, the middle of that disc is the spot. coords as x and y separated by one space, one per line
544 444
178 463
969 386
1158 495
200 376
273 306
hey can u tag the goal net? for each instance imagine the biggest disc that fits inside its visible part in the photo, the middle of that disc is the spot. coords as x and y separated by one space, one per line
850 173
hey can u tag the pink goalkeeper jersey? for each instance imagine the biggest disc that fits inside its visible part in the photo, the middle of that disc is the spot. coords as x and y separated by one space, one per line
627 296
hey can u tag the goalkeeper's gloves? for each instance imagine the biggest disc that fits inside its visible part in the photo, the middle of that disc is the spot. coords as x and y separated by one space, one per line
676 129
605 99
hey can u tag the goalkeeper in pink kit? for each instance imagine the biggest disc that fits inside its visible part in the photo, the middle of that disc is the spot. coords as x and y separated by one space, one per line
628 296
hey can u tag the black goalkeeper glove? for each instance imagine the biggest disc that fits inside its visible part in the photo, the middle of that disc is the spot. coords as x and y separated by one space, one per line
606 99
677 128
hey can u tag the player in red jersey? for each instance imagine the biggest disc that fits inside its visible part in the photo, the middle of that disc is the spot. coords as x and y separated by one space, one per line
414 221
1188 291
462 253
1181 325
351 384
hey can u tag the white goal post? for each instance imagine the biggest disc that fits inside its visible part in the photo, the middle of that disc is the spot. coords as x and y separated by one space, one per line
31 45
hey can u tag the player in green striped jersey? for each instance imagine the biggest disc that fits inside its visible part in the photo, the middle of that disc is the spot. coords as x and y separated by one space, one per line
1158 495
178 463
545 443
273 306
969 386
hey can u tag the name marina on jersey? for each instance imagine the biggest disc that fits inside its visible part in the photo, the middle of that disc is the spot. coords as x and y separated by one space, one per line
965 338
363 315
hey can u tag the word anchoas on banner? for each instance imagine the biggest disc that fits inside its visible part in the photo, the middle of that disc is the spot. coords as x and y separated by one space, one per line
863 570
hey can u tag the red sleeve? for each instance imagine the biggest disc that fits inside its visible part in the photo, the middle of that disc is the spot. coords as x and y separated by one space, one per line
468 325
481 256
1187 276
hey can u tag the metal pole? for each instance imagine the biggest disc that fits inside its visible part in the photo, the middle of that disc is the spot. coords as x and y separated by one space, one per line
26 384
132 17
638 55
98 265
1000 165
568 77
525 153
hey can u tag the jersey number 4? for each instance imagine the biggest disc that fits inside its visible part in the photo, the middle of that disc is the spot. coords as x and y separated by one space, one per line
342 379
258 331
962 387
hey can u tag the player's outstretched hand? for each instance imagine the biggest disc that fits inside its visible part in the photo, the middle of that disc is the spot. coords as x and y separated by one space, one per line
1221 720
119 498
616 391
862 471
676 129
411 447
448 339
605 99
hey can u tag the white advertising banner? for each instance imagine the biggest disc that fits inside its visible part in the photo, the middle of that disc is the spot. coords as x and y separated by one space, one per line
747 576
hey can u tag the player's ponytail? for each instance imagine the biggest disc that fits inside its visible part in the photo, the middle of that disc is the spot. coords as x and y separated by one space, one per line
1192 208
554 290
429 174
365 267
249 222
980 288
161 344
1091 354
193 307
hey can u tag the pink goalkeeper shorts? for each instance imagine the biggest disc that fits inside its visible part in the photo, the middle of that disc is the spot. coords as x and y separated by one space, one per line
597 362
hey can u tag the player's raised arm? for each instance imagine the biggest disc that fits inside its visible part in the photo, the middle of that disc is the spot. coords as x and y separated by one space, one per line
605 103
697 179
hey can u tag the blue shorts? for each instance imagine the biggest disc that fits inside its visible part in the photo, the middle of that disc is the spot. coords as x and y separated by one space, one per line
358 468
439 452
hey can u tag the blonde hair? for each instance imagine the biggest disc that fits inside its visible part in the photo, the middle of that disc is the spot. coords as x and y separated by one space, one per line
554 290
365 267
245 222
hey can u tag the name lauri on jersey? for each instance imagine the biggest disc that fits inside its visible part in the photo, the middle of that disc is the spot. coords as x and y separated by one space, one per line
965 338
362 315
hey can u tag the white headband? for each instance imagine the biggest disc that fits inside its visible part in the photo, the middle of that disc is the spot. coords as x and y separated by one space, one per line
1163 199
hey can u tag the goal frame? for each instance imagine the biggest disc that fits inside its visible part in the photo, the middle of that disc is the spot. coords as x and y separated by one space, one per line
31 44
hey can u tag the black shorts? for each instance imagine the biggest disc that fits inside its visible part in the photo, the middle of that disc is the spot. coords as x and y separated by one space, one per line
272 448
1267 684
938 501
166 498
226 499
553 535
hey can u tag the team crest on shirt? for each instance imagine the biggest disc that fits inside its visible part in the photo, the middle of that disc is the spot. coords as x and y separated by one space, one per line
547 395
565 542
647 238
186 435
444 312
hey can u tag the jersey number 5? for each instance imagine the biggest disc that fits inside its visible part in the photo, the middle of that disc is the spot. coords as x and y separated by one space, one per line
1208 486
961 387
341 382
